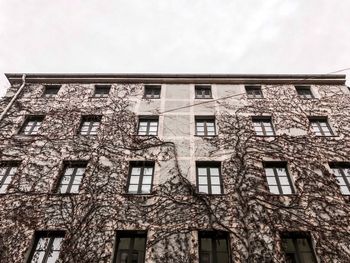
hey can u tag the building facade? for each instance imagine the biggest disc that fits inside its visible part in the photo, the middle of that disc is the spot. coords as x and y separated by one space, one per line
129 168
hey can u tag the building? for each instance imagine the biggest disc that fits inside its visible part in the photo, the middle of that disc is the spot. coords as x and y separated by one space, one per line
159 168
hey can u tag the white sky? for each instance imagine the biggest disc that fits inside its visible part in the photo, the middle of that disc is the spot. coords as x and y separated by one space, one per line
174 36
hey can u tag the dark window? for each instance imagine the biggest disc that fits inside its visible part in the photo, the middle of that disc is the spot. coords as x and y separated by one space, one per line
131 247
47 246
254 92
304 92
141 177
51 90
209 177
89 125
213 247
203 92
263 126
32 125
7 172
297 248
148 126
72 176
152 91
320 126
205 126
342 174
278 179
102 90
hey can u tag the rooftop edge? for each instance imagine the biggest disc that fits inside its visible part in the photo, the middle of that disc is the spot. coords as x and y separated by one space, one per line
338 79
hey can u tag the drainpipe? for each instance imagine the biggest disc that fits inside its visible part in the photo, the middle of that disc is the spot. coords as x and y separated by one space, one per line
14 97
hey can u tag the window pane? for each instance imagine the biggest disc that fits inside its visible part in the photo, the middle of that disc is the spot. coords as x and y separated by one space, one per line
133 188
288 245
146 189
214 171
341 180
286 190
80 171
134 179
74 189
274 189
124 243
148 171
202 171
147 180
203 189
202 180
271 180
206 244
269 172
215 180
53 257
284 180
63 188
139 243
223 258
215 189
281 171
136 171
344 190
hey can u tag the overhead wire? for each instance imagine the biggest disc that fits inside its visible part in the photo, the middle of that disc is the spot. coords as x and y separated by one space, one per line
243 93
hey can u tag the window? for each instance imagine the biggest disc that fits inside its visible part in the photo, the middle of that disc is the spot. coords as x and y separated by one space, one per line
47 247
7 172
102 90
148 126
263 126
141 177
342 174
320 126
51 90
209 177
278 178
203 92
72 177
89 125
32 125
304 92
213 247
152 91
205 126
131 247
254 92
297 248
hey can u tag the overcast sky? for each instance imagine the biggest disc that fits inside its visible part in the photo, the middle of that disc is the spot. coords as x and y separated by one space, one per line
174 36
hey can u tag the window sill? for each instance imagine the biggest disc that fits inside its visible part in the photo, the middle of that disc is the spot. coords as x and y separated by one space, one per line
206 136
328 136
136 135
92 97
21 135
256 98
204 98
138 195
144 98
266 136
211 195
64 194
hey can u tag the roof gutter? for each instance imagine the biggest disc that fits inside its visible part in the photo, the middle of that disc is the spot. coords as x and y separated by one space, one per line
59 78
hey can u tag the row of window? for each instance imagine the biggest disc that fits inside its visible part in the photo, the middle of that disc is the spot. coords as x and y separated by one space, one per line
201 91
205 125
209 179
131 247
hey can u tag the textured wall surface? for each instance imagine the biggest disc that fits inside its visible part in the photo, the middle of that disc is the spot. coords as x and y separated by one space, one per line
174 212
